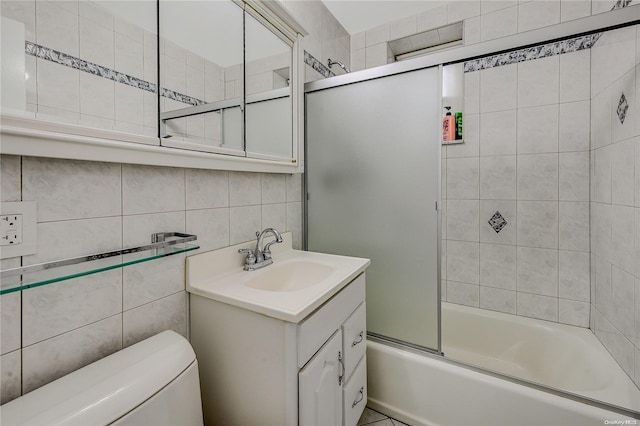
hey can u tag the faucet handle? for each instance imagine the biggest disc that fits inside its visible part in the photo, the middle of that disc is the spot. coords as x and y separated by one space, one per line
251 257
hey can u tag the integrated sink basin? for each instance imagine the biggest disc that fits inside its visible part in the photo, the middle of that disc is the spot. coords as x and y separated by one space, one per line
296 284
289 275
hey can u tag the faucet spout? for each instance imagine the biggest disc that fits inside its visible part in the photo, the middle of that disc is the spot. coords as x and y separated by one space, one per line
261 256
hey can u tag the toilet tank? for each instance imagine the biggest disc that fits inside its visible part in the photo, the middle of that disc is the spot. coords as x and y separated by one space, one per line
154 382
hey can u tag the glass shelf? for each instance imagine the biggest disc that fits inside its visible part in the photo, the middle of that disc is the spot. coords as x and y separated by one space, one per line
19 279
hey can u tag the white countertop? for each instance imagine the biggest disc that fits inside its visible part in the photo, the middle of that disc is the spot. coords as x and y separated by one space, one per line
218 275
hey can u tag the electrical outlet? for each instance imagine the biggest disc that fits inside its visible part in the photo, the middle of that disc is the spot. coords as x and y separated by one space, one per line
17 229
10 229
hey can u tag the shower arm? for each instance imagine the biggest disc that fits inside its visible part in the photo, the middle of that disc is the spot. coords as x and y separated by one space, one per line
331 62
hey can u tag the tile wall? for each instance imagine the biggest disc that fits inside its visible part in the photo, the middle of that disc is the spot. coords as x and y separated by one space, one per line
88 207
615 196
525 160
483 20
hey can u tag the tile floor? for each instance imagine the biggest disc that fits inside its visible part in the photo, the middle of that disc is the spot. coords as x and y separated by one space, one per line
372 417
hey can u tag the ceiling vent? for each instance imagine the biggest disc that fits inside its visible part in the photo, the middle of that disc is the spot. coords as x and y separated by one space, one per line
427 42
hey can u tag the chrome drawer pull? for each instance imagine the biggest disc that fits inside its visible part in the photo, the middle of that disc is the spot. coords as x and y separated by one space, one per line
341 364
361 338
360 399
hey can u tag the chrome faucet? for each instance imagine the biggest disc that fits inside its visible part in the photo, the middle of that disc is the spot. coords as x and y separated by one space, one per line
259 258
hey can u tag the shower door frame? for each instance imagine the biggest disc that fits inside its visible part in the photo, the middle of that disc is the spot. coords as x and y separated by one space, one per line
583 26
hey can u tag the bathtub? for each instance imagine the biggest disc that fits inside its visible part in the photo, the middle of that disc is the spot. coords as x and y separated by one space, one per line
424 389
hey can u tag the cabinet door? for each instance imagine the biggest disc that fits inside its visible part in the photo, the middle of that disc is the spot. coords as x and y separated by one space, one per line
319 386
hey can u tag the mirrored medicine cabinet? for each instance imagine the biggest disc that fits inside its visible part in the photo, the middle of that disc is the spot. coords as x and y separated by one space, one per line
227 73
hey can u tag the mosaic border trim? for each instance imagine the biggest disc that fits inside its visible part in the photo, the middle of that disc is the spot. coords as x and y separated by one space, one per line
530 53
318 66
620 4
61 58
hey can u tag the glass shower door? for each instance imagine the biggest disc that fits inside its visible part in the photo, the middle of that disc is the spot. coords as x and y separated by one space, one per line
372 173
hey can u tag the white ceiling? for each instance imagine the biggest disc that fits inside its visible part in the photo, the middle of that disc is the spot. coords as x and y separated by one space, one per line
359 15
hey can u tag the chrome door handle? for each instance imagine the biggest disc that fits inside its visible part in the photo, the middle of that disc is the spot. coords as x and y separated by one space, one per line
360 398
360 339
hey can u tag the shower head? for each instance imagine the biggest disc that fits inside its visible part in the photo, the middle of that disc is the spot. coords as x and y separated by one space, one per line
331 62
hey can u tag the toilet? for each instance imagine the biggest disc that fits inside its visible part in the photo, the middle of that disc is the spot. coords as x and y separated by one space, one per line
154 382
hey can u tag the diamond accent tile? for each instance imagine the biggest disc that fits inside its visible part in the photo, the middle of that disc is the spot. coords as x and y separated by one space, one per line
623 106
497 222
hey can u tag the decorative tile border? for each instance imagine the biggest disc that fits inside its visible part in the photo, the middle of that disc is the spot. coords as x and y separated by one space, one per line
321 68
104 72
620 4
530 53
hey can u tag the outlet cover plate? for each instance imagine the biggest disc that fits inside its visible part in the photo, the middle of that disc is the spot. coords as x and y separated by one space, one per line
28 245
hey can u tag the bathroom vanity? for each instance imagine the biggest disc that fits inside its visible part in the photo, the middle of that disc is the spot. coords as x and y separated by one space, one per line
283 345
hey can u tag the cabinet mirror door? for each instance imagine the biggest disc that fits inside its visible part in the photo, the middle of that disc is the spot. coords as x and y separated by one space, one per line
201 75
268 77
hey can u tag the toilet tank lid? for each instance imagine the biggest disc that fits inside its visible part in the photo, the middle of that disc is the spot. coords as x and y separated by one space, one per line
104 391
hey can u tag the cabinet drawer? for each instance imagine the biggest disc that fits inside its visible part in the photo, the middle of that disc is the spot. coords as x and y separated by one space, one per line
319 326
354 338
354 394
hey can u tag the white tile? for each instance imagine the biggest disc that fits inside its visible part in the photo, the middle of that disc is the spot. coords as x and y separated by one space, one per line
211 226
130 30
245 188
538 81
573 176
499 24
137 229
150 111
174 76
96 14
10 178
463 294
57 28
538 224
151 189
637 251
97 96
462 10
574 226
538 14
622 172
21 11
402 27
10 376
573 273
498 266
603 300
275 216
618 346
71 238
129 104
57 115
625 85
637 172
538 177
496 299
622 298
432 18
601 119
30 82
463 176
507 209
488 6
376 55
358 41
573 312
206 189
574 9
622 237
575 75
169 313
498 88
536 306
294 187
129 56
51 310
294 223
601 229
537 271
244 222
574 127
602 176
538 129
10 320
463 261
471 92
150 62
58 86
616 46
498 133
377 35
195 82
358 59
274 189
498 177
96 43
472 31
462 220
58 356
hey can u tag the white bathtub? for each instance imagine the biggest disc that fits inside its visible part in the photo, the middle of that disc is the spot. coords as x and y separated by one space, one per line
425 390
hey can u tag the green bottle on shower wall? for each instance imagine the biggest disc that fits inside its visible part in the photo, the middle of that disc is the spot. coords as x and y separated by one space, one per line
458 118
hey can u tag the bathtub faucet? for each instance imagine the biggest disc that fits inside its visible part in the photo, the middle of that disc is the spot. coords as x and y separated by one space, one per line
260 257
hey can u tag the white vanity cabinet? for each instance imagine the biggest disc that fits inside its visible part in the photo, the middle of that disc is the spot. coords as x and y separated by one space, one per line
260 370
